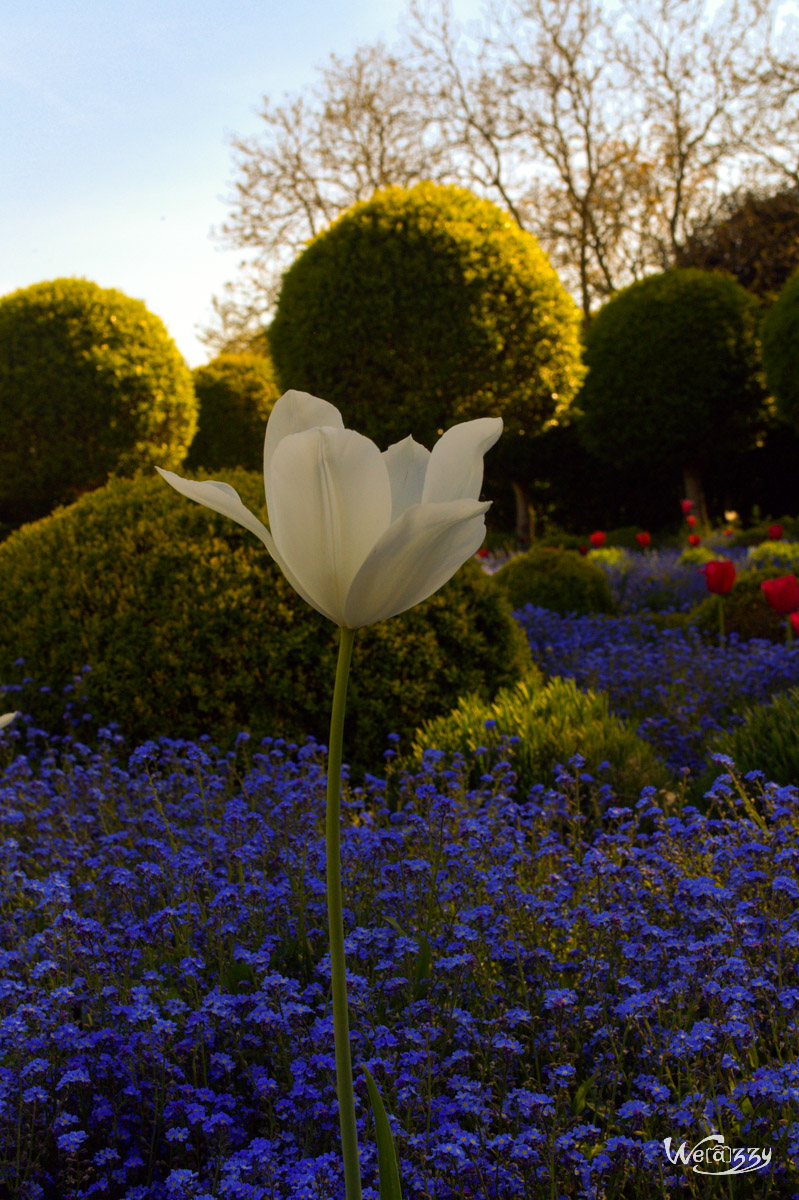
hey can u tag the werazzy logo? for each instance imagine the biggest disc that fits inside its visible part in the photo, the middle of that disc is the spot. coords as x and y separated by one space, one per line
712 1156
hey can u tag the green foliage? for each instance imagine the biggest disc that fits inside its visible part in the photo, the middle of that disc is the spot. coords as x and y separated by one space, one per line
781 351
190 628
673 372
553 722
747 612
783 554
424 307
755 534
91 384
609 556
235 395
767 741
698 556
559 580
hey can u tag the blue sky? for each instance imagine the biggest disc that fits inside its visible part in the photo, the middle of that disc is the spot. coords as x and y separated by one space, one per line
116 120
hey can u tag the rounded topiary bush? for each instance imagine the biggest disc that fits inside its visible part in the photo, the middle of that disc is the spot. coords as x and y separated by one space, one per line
190 628
747 612
235 395
423 307
780 335
559 580
673 373
553 722
91 384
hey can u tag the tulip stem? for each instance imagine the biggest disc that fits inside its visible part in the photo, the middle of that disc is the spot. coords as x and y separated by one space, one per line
335 916
721 619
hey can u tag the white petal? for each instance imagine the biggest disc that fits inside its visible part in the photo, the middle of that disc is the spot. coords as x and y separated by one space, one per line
455 471
224 499
330 502
7 718
416 556
407 464
295 412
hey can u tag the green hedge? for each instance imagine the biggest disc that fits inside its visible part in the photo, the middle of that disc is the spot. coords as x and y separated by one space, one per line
190 628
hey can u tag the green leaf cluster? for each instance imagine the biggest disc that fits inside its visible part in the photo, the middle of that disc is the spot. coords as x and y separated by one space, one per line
91 384
781 350
235 395
424 307
560 580
189 628
554 722
767 741
674 373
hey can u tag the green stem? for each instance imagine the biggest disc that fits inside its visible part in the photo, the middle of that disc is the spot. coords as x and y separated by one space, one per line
338 970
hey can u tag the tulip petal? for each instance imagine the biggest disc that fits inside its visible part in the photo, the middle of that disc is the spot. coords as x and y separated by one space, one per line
7 718
329 504
407 464
295 412
455 470
224 499
416 556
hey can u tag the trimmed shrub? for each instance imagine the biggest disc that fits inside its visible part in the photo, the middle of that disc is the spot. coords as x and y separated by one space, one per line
747 612
560 580
423 307
189 627
673 372
780 336
235 395
767 741
553 723
91 384
697 556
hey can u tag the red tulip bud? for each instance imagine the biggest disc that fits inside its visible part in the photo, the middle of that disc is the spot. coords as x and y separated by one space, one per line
583 549
686 506
794 619
694 539
775 533
782 594
597 539
719 576
728 533
691 521
643 539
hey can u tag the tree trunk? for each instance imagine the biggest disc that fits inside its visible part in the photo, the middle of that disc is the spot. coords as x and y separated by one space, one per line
692 483
523 523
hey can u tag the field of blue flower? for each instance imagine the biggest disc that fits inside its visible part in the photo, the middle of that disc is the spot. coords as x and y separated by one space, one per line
543 1000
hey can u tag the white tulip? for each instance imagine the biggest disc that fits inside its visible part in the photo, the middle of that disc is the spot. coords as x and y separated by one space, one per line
7 718
361 535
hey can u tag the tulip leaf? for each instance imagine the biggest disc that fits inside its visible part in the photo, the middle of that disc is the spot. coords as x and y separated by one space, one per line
390 1188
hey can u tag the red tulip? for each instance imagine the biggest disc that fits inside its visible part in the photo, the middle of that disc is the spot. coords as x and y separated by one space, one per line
694 539
775 533
643 539
794 619
482 553
728 533
719 576
597 539
583 549
782 594
690 521
686 506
